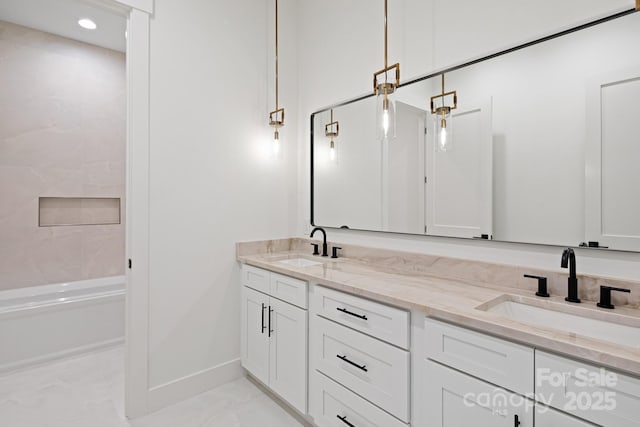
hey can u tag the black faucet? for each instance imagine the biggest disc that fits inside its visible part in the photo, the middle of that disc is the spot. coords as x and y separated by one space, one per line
569 260
324 240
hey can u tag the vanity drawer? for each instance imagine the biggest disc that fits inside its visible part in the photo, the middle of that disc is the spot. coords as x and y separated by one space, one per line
453 399
288 289
491 359
379 320
587 391
255 278
377 371
332 405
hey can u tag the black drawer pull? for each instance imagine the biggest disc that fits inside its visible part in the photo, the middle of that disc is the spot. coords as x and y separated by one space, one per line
344 358
516 421
344 420
270 330
359 316
263 327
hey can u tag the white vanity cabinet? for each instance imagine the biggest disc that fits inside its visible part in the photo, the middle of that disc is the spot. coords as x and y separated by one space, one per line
368 365
360 361
274 333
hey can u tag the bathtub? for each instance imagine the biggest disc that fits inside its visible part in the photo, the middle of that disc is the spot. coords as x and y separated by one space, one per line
43 323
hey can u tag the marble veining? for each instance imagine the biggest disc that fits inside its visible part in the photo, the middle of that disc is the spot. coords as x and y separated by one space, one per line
62 133
89 391
453 289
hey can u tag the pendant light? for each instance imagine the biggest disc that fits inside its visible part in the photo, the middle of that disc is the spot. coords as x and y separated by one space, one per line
331 131
276 117
384 87
443 122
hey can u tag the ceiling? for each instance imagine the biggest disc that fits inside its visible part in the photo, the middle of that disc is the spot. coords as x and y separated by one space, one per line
61 17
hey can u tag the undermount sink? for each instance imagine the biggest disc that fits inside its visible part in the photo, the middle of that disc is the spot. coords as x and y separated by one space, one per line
574 320
299 262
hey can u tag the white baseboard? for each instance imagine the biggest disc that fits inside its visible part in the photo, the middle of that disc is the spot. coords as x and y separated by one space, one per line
52 357
191 385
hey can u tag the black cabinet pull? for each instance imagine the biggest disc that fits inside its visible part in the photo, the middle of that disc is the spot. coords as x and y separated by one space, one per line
270 330
359 316
516 421
344 420
344 358
263 327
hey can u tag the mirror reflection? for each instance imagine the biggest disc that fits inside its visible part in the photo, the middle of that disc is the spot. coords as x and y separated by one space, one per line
539 145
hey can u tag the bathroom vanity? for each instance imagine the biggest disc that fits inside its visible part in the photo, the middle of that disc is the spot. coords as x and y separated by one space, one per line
389 339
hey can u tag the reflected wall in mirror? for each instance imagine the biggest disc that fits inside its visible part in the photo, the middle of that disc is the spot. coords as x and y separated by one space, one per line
545 148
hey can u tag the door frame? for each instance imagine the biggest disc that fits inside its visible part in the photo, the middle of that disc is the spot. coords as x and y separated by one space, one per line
138 14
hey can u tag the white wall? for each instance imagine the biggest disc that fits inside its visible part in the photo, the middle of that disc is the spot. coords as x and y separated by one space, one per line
213 179
462 29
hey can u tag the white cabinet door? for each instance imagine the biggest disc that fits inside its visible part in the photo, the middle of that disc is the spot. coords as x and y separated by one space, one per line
288 353
548 417
454 399
254 334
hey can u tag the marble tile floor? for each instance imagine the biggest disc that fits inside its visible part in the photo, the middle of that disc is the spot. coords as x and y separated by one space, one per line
88 391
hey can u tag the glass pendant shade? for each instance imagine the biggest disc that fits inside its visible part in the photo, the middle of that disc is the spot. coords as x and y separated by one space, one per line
332 152
442 118
276 142
386 116
443 130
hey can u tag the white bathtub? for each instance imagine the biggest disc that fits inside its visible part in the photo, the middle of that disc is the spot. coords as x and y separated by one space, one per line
42 323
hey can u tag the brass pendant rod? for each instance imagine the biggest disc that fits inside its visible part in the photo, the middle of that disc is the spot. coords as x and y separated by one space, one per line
443 84
277 55
331 128
385 35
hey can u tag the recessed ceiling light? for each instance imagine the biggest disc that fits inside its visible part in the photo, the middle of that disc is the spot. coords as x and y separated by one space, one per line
87 24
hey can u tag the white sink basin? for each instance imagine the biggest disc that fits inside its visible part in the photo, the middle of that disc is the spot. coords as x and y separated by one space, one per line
299 262
606 327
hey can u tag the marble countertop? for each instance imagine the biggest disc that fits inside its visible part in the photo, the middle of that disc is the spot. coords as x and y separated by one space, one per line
457 301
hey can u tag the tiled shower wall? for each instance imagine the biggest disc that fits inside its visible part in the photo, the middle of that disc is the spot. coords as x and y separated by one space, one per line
62 134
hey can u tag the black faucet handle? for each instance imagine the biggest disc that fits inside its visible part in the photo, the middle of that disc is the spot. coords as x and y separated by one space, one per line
315 248
605 296
542 285
334 251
